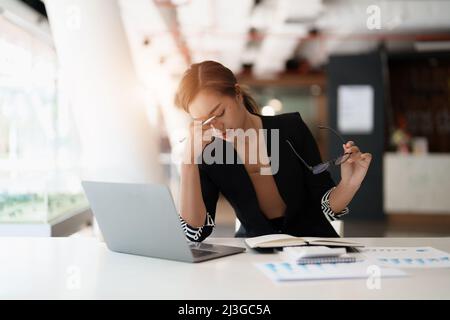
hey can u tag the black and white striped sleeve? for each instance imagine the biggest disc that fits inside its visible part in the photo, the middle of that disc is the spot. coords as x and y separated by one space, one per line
198 234
326 209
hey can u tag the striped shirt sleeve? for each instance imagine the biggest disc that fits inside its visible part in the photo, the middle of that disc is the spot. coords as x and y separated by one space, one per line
198 234
326 209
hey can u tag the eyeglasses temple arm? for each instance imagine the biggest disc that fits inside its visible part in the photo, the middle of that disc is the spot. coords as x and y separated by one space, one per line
334 131
293 149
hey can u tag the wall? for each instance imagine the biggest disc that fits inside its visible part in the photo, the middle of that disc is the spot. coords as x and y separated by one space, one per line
364 69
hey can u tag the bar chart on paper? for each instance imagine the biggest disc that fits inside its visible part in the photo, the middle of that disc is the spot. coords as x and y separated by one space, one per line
407 257
287 271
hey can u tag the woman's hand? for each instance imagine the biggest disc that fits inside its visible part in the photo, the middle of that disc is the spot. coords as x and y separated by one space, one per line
199 136
355 168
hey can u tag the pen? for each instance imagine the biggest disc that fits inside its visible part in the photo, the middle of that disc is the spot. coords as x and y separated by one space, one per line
203 123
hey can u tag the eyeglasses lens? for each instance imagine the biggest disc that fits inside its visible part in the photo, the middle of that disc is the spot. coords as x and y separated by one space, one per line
320 167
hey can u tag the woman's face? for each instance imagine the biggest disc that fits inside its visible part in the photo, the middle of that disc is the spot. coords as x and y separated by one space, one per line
229 111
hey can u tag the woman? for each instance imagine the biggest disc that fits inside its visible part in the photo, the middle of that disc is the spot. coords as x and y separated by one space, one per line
292 200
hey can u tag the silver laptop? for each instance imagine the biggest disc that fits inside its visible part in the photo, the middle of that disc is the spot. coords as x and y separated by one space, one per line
141 219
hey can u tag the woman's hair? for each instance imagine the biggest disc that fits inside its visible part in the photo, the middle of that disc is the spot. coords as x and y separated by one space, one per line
213 76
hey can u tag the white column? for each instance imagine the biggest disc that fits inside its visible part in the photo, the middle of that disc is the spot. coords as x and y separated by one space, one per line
107 100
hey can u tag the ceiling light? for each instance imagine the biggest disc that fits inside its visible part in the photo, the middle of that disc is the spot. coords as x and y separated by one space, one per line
268 111
275 104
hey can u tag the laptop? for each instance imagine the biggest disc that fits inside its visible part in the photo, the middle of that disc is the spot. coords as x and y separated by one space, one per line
141 219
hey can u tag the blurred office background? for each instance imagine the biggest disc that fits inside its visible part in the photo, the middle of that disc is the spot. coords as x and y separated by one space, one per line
86 91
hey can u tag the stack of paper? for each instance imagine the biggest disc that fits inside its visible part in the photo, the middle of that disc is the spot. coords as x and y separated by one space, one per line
317 254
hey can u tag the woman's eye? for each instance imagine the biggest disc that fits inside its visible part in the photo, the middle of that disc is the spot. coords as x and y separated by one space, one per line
223 112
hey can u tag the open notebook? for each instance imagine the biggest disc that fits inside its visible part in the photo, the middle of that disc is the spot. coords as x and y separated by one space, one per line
285 240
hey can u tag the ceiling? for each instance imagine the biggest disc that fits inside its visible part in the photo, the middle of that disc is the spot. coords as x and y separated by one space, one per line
271 35
264 34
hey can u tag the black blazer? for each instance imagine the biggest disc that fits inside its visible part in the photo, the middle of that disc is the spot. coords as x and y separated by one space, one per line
299 188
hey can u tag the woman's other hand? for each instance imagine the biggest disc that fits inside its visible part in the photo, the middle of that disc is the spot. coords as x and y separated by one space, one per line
355 168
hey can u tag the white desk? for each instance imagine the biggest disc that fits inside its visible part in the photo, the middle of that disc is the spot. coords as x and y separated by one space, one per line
73 268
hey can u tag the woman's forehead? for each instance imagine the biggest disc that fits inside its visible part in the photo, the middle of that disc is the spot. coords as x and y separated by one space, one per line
203 103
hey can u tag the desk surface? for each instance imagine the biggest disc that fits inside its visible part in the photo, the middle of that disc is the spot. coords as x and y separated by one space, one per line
73 268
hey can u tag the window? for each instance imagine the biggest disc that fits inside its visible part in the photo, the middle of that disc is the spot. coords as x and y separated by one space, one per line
39 147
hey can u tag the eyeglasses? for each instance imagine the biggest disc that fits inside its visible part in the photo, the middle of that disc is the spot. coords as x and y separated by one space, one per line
321 167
